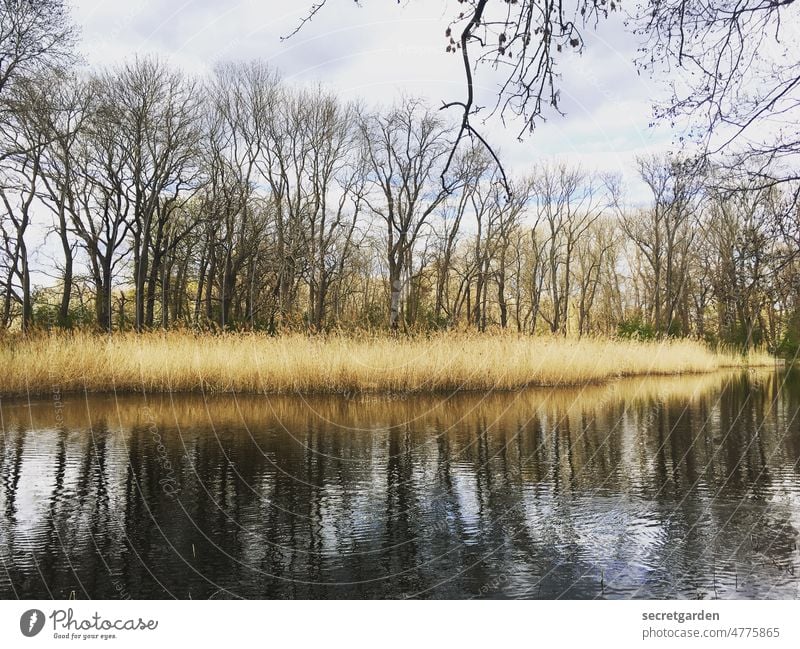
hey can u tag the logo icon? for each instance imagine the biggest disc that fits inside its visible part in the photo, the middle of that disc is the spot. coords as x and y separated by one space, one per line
31 622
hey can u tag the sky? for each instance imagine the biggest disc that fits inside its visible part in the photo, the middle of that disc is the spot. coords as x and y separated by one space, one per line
383 49
376 52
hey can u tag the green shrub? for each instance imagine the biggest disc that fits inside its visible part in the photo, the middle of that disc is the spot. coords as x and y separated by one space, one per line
636 329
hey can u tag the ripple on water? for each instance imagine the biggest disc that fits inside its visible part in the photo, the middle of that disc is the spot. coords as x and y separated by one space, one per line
658 489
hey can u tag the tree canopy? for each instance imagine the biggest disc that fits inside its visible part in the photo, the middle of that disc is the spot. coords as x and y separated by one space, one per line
734 67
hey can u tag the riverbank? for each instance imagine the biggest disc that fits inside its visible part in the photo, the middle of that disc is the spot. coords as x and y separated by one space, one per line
186 362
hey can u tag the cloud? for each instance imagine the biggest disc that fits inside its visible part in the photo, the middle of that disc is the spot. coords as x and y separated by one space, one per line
380 50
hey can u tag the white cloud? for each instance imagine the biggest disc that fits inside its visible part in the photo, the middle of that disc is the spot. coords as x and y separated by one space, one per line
380 50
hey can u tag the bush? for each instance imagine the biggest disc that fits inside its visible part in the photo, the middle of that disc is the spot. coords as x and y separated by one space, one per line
636 329
789 347
46 316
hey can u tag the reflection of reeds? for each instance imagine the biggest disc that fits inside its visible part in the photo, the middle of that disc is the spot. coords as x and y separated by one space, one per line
608 476
443 411
338 364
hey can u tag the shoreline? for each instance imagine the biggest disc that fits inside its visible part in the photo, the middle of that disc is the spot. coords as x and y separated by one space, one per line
379 394
340 365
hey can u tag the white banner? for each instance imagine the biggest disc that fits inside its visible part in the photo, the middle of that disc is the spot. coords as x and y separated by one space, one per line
353 625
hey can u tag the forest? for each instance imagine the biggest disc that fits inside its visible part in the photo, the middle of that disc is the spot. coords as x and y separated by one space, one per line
240 201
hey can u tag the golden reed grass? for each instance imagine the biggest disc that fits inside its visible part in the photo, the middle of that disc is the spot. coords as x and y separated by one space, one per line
186 362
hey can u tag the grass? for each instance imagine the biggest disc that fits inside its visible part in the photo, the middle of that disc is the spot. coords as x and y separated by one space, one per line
186 362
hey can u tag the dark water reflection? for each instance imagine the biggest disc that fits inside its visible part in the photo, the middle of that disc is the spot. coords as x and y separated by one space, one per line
674 487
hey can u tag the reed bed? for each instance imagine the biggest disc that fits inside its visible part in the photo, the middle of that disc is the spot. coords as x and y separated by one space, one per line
255 363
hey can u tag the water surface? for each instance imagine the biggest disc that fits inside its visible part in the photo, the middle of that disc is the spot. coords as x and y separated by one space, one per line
650 488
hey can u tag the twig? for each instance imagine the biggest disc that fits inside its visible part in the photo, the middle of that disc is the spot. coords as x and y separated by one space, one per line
307 18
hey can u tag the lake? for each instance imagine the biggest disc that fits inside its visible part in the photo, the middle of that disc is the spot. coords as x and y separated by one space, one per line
673 487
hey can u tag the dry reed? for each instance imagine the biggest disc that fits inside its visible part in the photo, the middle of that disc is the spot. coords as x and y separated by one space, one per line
185 362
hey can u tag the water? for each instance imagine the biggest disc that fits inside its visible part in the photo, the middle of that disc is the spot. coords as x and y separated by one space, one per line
652 488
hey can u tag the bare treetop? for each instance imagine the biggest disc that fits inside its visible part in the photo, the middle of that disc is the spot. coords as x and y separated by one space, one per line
735 64
34 34
521 39
739 76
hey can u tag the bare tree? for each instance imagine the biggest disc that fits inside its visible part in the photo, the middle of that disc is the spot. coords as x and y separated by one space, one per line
22 137
568 201
739 62
522 39
741 73
406 149
745 262
35 35
65 107
102 191
663 234
596 256
154 113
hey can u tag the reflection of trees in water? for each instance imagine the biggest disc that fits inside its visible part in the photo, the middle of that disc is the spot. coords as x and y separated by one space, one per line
534 494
